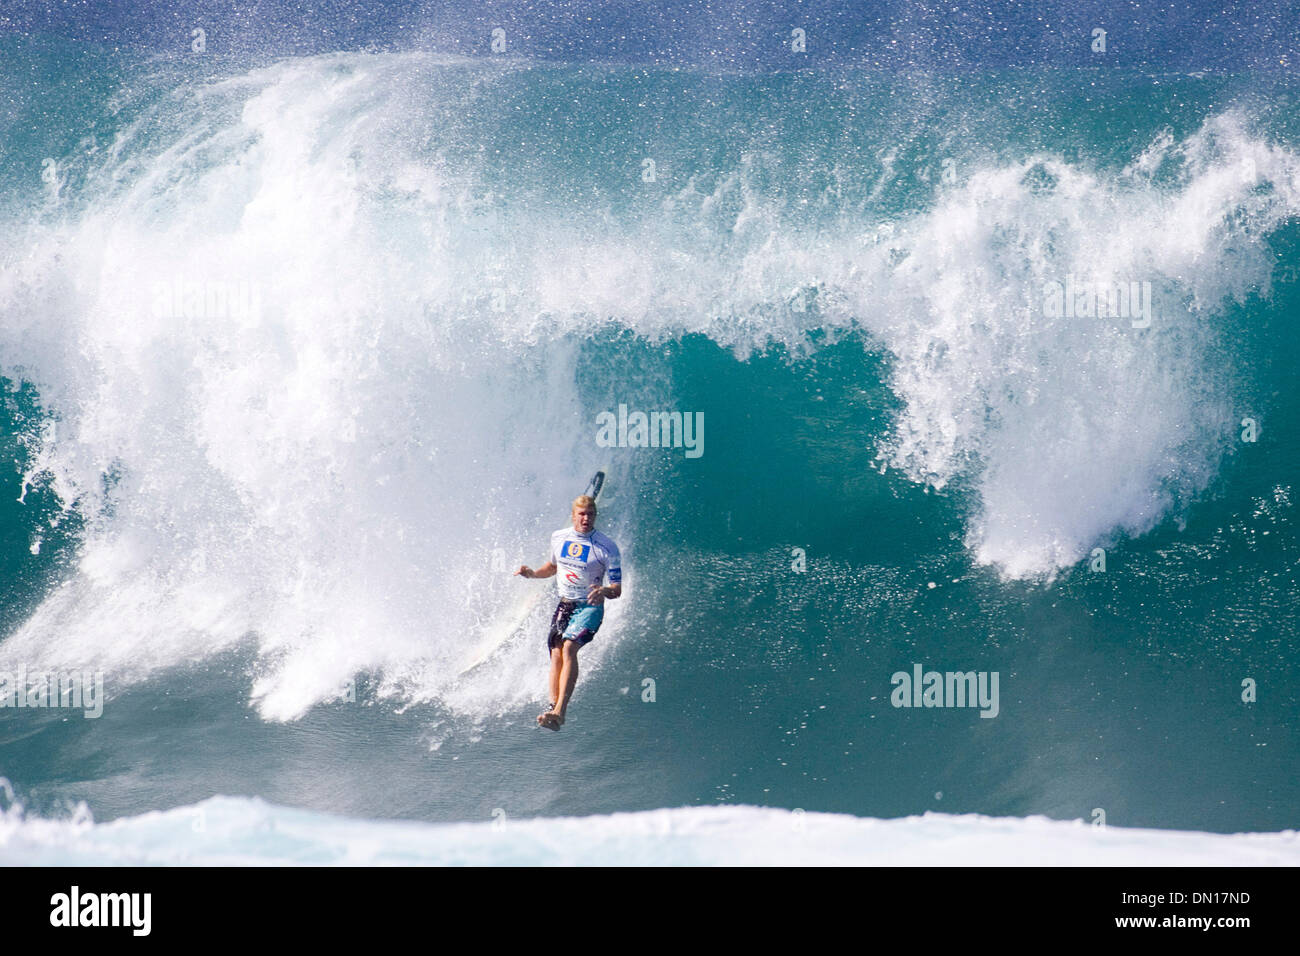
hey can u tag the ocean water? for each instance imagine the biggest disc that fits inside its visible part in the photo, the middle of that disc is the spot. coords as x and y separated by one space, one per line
302 351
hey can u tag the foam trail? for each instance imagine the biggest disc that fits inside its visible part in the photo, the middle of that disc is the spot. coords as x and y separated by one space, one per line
227 831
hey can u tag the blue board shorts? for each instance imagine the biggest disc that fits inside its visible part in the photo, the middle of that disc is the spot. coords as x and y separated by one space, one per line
574 621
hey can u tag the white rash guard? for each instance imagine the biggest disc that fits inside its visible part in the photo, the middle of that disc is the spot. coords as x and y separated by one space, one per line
583 560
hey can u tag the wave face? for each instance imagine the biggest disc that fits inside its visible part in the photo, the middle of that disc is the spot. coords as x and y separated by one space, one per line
304 354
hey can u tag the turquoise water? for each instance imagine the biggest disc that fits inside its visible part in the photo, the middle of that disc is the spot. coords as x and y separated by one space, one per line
278 523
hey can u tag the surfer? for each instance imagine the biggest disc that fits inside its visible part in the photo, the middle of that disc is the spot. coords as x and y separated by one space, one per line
583 558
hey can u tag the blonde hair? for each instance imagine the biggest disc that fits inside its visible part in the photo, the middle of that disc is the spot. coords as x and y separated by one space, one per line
584 501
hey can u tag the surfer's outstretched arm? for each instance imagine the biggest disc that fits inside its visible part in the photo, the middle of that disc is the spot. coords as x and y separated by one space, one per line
547 570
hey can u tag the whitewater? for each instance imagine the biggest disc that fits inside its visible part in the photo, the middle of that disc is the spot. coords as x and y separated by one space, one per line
229 832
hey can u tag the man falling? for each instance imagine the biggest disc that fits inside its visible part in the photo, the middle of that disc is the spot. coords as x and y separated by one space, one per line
583 558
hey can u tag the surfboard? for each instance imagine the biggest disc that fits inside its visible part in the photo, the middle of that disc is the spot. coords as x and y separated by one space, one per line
519 615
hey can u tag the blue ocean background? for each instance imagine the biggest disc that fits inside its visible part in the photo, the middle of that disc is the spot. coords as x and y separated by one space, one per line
281 522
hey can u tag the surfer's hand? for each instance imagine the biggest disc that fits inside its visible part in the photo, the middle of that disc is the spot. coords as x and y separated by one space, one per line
524 571
596 595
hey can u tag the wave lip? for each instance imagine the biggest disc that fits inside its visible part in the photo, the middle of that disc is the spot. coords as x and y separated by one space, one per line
1075 428
240 831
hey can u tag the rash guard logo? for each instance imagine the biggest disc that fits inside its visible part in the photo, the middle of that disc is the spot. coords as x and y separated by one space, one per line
577 551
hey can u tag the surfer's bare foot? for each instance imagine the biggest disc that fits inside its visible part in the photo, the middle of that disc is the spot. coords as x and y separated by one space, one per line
550 720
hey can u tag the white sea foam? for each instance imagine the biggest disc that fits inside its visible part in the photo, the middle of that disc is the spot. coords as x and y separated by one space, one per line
328 475
231 831
1075 429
